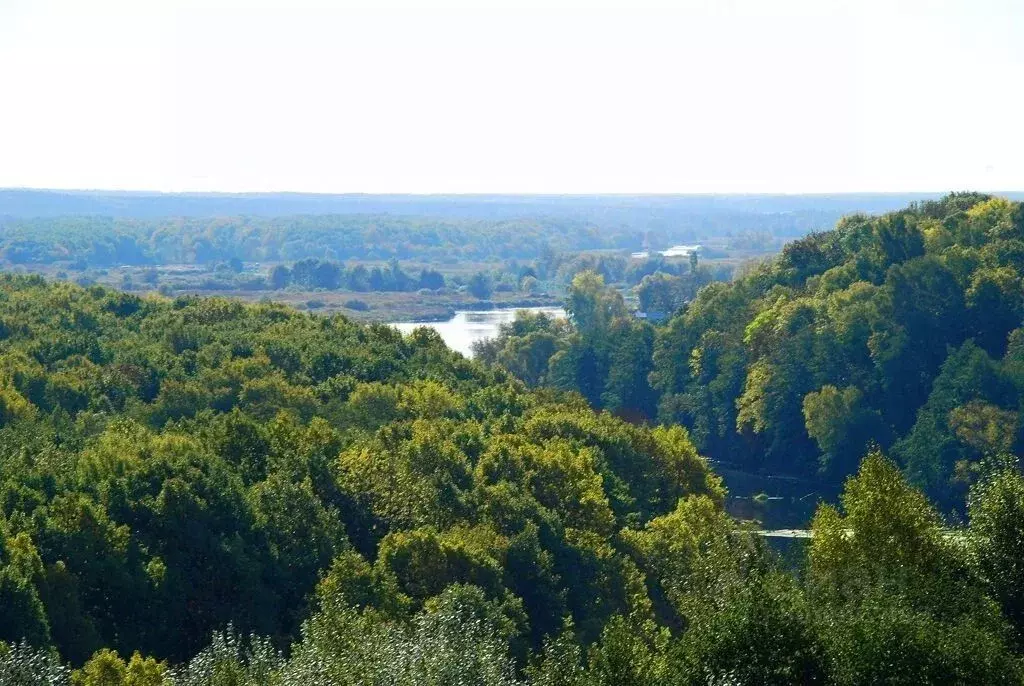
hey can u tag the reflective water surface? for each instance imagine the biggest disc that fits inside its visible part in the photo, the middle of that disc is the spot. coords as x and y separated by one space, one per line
467 327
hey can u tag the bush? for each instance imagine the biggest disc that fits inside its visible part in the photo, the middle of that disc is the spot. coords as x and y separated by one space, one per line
357 305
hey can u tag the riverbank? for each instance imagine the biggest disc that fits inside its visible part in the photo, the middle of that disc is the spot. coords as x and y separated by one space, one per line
467 327
389 307
776 501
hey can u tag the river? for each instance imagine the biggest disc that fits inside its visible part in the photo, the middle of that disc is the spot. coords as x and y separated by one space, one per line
467 326
778 502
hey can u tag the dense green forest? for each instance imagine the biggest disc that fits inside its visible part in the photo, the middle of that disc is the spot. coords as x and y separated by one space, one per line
902 330
198 491
174 466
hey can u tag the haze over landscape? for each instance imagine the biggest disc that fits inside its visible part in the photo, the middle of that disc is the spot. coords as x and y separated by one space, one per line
511 344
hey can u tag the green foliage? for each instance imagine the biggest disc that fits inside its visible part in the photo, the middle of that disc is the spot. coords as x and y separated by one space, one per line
837 421
23 665
316 274
339 504
892 330
601 352
173 467
590 306
561 663
664 293
760 632
480 286
899 600
106 668
21 573
997 527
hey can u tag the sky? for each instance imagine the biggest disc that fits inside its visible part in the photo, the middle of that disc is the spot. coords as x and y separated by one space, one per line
726 96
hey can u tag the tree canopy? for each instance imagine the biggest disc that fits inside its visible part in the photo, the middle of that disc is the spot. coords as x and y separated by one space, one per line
901 330
198 491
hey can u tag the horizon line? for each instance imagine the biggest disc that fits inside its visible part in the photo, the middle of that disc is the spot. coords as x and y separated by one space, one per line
471 194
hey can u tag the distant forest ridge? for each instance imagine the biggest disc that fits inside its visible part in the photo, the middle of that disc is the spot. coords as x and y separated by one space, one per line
798 213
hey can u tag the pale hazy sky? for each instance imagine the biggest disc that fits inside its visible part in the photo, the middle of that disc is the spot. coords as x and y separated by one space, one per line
728 96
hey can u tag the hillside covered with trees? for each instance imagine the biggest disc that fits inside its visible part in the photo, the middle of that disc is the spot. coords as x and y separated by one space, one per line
902 331
197 491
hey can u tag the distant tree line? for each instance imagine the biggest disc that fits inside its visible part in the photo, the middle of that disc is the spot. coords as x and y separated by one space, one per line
91 242
312 273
